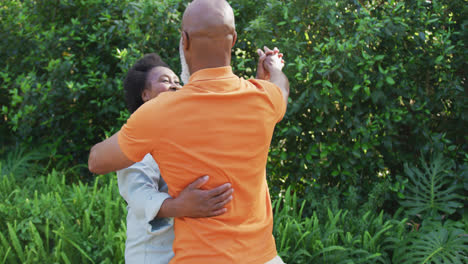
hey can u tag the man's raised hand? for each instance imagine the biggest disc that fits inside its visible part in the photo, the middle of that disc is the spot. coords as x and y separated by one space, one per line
262 72
270 66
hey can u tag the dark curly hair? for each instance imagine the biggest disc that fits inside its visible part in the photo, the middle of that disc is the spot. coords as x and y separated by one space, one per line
135 81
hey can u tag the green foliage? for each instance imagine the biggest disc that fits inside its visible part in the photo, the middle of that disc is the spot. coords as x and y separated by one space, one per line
46 221
372 88
434 243
432 190
64 63
375 85
433 194
334 239
23 163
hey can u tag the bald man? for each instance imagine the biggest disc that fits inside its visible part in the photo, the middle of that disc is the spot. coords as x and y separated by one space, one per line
219 125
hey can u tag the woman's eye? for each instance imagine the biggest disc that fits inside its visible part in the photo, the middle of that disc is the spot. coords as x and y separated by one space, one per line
165 81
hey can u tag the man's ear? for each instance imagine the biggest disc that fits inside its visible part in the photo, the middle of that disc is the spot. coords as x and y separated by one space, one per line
234 38
185 40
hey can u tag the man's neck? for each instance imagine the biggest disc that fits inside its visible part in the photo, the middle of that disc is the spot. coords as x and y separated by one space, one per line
198 67
210 53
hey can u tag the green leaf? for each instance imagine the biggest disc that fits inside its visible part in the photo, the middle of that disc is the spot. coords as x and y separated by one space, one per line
327 83
434 243
390 80
367 90
431 190
284 156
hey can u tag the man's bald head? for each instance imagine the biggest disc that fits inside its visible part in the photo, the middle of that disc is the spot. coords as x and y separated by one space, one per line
209 18
208 34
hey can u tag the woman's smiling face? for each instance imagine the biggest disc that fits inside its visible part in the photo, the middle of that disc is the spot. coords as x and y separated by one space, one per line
160 79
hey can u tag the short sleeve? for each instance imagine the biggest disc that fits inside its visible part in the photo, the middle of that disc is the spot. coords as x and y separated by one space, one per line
140 185
275 95
140 134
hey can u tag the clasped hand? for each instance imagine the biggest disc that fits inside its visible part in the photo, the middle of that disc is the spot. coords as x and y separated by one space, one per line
269 62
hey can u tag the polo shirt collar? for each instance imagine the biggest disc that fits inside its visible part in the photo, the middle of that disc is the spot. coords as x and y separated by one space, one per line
212 74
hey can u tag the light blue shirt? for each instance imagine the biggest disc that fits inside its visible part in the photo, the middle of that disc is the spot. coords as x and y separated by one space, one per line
149 239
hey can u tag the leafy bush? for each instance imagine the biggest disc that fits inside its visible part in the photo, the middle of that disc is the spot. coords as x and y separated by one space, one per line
434 243
46 221
432 199
23 163
334 239
61 80
374 83
432 190
372 89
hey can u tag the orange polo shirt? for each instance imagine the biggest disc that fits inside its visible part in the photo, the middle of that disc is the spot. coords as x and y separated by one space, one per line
218 125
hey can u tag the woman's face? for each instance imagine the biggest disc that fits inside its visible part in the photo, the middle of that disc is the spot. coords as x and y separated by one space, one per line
160 79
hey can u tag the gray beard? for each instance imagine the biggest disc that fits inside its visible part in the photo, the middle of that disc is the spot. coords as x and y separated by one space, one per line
185 74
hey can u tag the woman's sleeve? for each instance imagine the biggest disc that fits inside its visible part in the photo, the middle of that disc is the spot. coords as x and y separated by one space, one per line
139 186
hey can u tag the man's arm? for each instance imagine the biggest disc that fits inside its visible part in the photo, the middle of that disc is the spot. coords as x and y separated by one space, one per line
107 156
195 202
139 186
280 79
270 65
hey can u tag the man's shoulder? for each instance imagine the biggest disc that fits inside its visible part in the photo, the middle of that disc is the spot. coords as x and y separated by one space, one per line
267 87
263 85
273 92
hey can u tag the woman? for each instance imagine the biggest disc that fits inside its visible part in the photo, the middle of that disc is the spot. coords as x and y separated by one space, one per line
150 209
